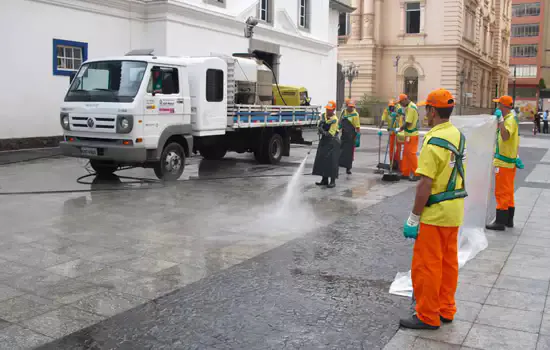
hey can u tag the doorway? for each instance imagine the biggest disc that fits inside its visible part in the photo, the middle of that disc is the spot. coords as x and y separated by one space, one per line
411 83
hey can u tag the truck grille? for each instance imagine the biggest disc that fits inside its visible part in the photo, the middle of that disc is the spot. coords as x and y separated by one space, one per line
91 123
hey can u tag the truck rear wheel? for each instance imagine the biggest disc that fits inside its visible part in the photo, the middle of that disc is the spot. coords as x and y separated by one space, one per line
172 162
213 152
103 169
271 150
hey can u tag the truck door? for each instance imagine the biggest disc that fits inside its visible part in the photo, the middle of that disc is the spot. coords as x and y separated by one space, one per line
163 103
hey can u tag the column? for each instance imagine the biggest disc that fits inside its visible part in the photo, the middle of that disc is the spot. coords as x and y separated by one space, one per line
422 16
402 24
367 24
377 20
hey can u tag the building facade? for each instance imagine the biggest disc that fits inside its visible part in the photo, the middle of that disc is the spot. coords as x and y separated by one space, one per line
526 53
47 40
460 45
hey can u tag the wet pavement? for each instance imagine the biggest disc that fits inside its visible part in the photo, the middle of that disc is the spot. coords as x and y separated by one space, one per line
213 261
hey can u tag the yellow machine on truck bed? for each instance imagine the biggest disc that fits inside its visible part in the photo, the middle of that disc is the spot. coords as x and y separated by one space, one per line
292 95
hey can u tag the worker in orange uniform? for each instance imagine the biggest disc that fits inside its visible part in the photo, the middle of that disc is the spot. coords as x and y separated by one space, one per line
328 150
505 162
394 122
410 127
437 214
350 125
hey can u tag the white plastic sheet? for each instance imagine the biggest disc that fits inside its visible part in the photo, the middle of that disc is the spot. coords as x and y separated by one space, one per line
480 142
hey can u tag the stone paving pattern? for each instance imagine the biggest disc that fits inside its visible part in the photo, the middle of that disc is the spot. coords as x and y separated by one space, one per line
197 272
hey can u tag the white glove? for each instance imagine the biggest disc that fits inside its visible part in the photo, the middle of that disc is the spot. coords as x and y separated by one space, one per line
413 220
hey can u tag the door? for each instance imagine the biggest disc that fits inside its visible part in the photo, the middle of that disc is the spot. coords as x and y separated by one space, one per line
164 103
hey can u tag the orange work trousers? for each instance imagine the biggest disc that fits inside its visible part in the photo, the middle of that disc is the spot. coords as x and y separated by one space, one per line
504 187
435 273
395 152
409 164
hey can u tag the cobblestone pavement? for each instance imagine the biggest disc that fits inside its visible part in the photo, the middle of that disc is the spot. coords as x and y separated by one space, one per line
209 263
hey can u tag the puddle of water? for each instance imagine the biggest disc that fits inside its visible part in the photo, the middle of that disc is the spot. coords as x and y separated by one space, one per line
361 190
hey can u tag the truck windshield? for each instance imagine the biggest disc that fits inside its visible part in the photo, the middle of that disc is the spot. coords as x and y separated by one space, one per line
107 81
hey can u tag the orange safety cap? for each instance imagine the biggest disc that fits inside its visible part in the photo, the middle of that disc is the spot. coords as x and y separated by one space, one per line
507 101
402 97
331 105
391 103
351 103
440 98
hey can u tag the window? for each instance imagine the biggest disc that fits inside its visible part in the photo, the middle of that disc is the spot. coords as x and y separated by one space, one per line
525 30
413 17
265 10
524 10
164 80
344 27
469 25
524 50
107 81
303 14
68 56
524 71
214 85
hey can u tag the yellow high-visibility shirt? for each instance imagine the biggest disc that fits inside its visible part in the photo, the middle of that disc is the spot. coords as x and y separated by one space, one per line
508 148
353 117
411 116
387 118
333 122
437 163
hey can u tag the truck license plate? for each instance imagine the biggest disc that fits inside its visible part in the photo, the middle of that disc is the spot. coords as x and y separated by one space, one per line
88 151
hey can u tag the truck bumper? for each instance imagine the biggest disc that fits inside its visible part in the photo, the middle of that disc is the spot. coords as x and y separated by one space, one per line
107 152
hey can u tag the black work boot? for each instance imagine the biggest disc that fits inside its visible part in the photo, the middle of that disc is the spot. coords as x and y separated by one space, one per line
445 320
500 222
332 183
324 182
348 171
511 212
414 323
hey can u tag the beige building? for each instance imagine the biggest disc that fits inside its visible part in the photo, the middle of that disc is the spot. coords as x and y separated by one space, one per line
436 40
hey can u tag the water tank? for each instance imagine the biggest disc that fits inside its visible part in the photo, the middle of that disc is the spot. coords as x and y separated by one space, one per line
246 70
265 83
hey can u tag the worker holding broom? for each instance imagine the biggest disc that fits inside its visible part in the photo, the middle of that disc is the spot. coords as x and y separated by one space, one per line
506 161
328 150
436 216
351 131
394 121
410 127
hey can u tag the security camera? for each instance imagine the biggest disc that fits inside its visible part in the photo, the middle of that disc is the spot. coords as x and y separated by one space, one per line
251 21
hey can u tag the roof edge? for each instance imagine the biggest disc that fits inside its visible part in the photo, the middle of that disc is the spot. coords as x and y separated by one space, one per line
340 6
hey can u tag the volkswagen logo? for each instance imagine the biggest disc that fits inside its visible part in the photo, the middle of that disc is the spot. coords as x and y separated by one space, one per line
90 122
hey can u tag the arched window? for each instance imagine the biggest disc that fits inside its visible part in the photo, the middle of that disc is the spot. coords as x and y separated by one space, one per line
411 83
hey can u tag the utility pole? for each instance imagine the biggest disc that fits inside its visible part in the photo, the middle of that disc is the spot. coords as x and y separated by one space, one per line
351 72
514 80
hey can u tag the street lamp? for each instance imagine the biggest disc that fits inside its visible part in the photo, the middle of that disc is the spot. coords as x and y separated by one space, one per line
351 72
461 77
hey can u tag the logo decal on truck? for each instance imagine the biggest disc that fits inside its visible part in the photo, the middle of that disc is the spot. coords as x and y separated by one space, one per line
167 103
167 110
90 122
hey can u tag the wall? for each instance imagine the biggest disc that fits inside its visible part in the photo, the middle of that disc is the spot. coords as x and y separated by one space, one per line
187 27
30 103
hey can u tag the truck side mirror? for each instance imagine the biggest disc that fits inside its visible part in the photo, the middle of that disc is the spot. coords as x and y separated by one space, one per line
156 75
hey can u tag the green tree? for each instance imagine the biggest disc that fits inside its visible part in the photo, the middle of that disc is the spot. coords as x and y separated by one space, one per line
542 84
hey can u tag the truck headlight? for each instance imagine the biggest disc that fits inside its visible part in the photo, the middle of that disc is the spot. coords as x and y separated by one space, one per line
65 121
124 124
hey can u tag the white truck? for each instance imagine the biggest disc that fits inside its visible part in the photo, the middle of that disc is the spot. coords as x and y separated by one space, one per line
149 111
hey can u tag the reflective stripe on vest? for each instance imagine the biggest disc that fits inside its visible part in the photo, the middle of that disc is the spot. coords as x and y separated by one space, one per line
451 192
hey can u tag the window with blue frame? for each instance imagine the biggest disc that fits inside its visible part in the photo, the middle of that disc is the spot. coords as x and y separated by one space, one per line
68 56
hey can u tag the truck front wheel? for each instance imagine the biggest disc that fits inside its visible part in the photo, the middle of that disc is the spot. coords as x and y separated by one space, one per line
172 162
103 169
